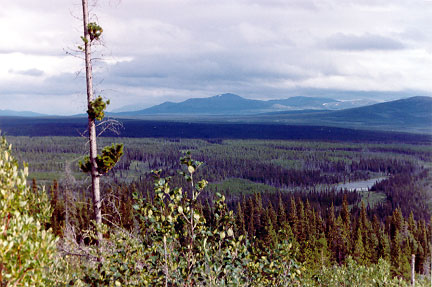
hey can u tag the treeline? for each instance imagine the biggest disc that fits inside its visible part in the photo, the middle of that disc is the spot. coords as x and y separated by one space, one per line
73 127
169 236
346 161
332 234
326 227
407 191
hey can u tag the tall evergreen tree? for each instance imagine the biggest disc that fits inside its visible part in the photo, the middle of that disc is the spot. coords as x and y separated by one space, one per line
293 218
301 228
281 216
240 219
359 250
345 213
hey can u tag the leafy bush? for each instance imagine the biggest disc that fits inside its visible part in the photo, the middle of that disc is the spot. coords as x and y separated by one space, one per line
26 246
174 245
354 274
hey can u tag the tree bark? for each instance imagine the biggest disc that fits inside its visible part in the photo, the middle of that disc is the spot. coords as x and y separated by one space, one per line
91 124
413 270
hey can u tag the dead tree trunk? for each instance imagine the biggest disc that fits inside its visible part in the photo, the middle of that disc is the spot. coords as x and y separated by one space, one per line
91 123
413 270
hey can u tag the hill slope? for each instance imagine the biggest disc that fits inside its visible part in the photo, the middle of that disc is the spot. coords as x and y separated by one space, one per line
221 104
20 113
231 104
415 110
414 114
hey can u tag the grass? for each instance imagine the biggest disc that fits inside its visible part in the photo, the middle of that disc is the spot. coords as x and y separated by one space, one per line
372 198
240 185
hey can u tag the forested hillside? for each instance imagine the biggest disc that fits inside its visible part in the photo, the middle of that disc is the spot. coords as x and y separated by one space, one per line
208 129
274 208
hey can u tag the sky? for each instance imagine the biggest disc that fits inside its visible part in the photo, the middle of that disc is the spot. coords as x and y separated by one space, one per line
154 51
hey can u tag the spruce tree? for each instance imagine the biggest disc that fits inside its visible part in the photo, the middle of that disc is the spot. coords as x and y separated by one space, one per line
301 229
309 221
396 254
359 250
281 216
56 217
240 220
345 213
293 218
270 238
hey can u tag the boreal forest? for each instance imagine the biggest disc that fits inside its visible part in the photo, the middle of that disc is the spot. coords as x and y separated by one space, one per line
234 212
247 193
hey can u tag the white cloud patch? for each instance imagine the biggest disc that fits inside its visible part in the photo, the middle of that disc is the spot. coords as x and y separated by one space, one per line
29 72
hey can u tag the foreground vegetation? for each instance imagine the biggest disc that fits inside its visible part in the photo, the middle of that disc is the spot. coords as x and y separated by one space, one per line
174 233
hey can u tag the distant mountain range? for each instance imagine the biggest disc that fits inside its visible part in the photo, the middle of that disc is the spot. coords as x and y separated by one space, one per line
231 104
19 113
410 115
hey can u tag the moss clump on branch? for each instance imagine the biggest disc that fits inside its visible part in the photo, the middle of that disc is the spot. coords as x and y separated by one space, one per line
105 161
94 30
96 108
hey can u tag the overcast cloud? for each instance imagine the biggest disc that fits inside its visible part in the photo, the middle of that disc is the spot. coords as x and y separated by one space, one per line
158 50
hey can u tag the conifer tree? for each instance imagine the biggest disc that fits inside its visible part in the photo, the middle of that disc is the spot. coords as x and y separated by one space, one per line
345 213
270 237
346 236
396 254
240 222
309 221
359 250
251 218
384 248
259 216
272 214
301 228
293 218
412 226
331 226
364 221
281 216
56 217
313 223
396 222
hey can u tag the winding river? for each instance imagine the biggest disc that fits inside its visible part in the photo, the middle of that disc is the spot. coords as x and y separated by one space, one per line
361 185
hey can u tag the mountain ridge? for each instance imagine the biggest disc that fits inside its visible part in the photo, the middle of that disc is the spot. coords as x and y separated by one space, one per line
413 113
20 113
410 114
232 104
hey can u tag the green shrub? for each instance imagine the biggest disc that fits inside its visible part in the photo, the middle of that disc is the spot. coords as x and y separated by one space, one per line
352 274
27 248
174 245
